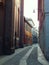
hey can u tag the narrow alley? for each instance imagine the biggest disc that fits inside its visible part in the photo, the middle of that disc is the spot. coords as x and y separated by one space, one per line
24 32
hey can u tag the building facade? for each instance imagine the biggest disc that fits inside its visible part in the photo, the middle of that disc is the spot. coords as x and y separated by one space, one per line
11 21
44 26
34 35
27 32
41 22
19 23
1 24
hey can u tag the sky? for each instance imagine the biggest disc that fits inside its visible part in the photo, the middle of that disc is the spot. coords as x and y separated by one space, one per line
29 7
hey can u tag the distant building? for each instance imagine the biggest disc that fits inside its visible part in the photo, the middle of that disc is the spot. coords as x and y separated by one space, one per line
30 31
43 17
34 35
27 31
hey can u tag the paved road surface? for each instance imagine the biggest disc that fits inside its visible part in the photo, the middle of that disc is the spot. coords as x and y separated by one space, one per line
30 55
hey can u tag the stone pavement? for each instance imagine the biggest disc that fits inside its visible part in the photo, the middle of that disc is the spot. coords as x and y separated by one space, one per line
30 55
4 59
35 57
32 59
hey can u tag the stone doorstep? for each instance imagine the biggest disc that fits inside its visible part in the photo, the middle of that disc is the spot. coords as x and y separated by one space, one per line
6 58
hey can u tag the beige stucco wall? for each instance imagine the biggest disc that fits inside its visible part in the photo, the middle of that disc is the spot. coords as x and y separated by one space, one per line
17 5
